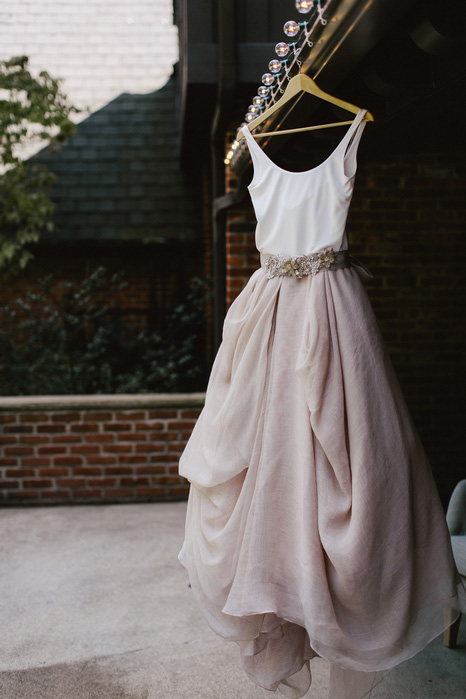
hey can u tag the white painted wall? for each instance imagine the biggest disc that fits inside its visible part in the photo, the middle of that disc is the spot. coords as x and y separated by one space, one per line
100 48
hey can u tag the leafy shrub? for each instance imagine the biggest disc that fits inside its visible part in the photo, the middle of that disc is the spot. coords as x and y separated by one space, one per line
32 109
64 340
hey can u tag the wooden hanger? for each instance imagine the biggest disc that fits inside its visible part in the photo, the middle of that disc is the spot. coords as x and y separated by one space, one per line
302 83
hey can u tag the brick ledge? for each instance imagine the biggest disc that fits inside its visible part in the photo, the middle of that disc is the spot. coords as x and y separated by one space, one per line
97 402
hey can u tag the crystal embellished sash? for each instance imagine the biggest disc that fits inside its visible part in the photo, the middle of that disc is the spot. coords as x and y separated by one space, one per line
302 266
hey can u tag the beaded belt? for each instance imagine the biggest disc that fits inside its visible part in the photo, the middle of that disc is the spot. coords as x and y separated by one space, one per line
302 266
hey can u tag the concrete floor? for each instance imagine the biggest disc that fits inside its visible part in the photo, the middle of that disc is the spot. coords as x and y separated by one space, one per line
94 605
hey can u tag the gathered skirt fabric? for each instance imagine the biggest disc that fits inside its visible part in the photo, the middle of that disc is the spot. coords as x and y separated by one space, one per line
314 527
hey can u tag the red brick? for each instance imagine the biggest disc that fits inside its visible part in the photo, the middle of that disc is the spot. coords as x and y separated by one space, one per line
8 462
144 425
96 416
117 426
150 491
17 429
100 438
51 450
7 485
162 414
132 436
20 472
71 482
163 458
66 439
100 459
86 493
175 447
165 480
132 459
179 491
58 495
18 451
130 414
34 417
67 461
66 417
117 448
142 448
53 471
118 492
37 483
85 449
151 469
34 439
181 424
36 461
190 414
159 426
85 427
154 446
22 495
87 470
117 470
7 418
134 481
8 439
235 261
103 481
52 429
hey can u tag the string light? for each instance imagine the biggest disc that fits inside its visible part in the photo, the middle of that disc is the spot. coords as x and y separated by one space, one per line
272 81
268 79
282 49
275 66
304 6
291 28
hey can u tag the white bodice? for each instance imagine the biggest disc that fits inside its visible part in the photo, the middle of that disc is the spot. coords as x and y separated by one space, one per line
299 213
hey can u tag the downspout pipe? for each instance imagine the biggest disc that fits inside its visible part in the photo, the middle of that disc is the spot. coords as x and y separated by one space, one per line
227 76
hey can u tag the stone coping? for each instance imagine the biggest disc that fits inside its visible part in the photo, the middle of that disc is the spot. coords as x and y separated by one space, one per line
102 402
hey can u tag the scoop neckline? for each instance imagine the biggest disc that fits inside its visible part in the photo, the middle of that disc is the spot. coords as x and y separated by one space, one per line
316 167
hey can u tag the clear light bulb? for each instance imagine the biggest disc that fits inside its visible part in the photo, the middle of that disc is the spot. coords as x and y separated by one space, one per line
257 101
291 28
250 117
304 6
282 49
263 91
253 109
268 79
275 66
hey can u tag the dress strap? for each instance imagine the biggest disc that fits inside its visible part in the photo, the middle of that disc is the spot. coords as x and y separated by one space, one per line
354 133
348 147
259 158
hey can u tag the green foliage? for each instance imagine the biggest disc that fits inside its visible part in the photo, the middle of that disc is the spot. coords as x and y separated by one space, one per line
64 340
30 108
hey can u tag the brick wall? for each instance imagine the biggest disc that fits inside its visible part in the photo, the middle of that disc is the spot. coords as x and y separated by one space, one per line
407 224
156 277
94 449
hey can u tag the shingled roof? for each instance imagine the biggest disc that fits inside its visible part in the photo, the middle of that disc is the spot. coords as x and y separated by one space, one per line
120 176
